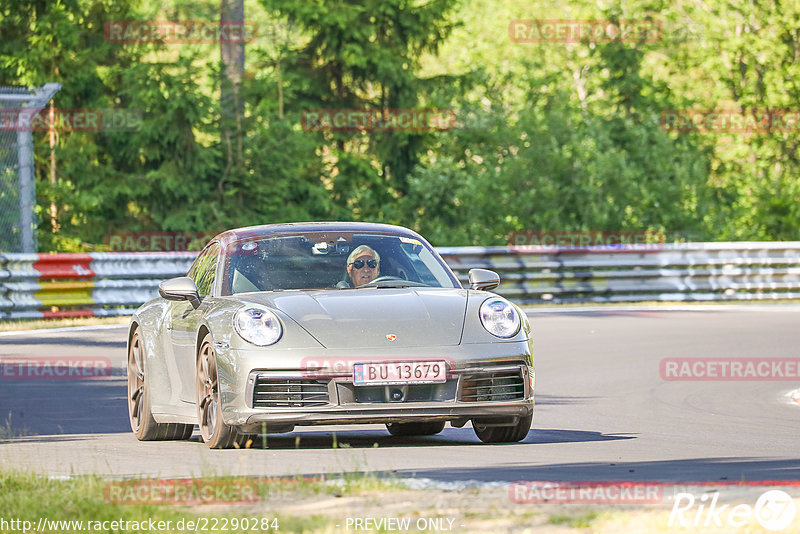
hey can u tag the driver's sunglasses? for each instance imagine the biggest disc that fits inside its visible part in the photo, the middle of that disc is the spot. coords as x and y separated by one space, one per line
359 264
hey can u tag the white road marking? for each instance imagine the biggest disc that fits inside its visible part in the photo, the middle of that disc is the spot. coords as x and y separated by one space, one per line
63 329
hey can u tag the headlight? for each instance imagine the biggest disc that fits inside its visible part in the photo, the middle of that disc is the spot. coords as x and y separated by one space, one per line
499 317
257 326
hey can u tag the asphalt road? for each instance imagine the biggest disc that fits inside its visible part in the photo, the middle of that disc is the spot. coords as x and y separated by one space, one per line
603 412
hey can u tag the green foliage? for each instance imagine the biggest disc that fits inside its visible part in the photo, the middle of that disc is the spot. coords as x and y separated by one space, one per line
364 55
583 519
549 136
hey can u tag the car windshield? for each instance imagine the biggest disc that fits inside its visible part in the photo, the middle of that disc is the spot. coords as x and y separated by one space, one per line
354 261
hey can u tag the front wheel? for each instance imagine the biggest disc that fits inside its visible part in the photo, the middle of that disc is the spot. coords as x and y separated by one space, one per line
415 429
504 434
216 434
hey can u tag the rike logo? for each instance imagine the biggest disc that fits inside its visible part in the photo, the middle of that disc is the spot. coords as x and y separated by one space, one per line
774 510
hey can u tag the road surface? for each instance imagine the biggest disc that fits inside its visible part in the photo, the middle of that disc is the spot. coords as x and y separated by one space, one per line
603 412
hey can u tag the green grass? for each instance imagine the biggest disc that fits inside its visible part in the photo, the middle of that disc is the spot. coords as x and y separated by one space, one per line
86 498
345 484
7 432
580 520
30 496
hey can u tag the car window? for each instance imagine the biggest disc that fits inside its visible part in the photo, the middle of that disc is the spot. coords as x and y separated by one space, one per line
204 269
300 262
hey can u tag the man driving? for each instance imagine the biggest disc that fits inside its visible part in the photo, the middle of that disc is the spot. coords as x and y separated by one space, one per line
363 265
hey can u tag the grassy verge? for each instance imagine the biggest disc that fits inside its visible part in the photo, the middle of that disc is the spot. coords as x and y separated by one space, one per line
81 502
38 324
303 505
331 506
6 432
582 519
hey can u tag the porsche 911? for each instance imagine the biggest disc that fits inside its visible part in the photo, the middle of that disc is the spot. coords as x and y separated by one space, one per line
286 325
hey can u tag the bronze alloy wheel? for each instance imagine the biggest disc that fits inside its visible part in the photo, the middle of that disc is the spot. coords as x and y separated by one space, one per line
216 434
142 422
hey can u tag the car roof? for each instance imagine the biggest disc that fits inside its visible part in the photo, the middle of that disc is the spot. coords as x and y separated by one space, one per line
267 230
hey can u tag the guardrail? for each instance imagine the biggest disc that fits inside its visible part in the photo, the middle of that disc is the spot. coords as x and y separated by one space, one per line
34 286
636 273
115 283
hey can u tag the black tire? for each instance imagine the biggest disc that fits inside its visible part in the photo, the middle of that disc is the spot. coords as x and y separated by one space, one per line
415 429
504 434
143 425
215 433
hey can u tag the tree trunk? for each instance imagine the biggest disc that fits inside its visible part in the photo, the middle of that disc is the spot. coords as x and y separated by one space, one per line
231 103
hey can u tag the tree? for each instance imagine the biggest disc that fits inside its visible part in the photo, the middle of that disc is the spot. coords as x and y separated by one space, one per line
365 55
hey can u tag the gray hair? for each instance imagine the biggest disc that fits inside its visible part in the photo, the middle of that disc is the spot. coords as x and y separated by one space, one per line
361 249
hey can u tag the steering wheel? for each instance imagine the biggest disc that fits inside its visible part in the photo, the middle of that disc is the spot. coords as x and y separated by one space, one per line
384 278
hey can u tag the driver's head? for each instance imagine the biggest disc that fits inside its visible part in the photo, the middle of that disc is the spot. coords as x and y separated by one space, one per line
363 265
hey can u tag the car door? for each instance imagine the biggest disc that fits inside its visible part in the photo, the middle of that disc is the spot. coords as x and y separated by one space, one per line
185 320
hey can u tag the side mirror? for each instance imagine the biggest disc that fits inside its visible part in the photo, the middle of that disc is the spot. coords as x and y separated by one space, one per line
181 288
483 279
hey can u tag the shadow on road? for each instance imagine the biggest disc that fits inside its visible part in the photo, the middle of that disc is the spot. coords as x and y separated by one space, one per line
40 410
558 400
64 406
380 437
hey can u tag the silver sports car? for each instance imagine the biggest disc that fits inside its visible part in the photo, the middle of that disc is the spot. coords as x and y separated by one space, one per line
327 323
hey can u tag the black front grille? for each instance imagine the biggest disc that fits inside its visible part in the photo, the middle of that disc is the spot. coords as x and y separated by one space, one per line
289 393
498 385
410 393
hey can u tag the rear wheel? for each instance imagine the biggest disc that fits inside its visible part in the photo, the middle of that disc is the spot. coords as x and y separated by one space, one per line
504 434
143 424
216 434
415 429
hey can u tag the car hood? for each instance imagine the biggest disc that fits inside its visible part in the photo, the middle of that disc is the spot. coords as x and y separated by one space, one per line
372 318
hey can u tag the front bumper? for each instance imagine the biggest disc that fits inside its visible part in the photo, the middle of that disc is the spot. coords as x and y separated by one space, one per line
492 381
506 413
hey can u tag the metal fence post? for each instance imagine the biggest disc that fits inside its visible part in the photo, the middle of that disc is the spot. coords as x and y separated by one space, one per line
27 191
31 101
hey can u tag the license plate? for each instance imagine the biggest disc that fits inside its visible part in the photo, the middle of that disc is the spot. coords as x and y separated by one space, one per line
370 374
